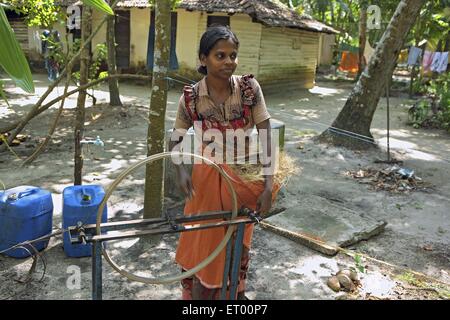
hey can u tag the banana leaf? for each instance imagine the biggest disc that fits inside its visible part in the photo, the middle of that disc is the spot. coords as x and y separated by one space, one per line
99 5
12 58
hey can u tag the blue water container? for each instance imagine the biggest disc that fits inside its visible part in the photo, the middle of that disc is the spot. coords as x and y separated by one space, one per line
81 203
26 213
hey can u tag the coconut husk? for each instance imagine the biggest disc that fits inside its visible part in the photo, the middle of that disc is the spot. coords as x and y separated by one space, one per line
287 167
334 284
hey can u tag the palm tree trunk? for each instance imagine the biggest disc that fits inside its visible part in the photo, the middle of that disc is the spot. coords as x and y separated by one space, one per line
154 174
113 83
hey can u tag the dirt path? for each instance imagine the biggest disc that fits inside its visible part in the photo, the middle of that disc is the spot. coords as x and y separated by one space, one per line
417 236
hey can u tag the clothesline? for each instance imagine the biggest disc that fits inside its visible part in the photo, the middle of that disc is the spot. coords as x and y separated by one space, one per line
429 60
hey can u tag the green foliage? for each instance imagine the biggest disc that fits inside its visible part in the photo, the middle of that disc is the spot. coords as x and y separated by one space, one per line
441 291
99 57
12 59
432 25
341 14
410 279
103 74
441 87
43 14
54 49
435 110
419 113
359 263
99 5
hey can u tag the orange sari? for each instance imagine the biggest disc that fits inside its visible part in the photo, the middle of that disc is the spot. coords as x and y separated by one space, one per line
212 194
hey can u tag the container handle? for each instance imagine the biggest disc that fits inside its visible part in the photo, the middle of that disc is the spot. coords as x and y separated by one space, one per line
16 196
26 193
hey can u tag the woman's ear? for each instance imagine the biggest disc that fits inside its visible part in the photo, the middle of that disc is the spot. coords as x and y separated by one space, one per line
203 60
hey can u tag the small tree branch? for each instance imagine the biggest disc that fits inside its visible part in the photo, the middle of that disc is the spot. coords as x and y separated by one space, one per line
42 146
30 114
38 111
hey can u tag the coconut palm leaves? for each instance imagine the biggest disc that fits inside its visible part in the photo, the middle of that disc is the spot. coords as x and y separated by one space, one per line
12 59
100 5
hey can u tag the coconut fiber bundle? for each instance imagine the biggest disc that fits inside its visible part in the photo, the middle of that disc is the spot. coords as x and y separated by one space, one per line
254 172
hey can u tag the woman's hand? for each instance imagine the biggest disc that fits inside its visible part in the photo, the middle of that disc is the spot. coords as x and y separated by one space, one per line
184 182
264 202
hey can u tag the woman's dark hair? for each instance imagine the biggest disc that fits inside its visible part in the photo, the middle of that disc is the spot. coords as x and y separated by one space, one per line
213 34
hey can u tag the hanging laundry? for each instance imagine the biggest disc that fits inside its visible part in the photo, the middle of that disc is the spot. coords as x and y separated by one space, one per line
427 60
349 62
443 62
435 63
368 51
414 56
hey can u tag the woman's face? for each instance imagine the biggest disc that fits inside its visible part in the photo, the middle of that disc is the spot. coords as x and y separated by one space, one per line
222 59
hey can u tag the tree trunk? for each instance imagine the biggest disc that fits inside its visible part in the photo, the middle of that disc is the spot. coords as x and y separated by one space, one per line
86 29
154 195
332 13
113 83
447 48
362 37
357 114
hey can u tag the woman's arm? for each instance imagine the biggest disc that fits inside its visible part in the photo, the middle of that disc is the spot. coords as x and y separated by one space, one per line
264 202
184 180
265 134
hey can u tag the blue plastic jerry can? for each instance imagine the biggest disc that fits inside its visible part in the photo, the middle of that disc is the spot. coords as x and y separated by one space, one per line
81 204
26 213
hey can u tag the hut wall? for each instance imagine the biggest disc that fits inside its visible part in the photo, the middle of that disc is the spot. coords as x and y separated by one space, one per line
140 26
288 58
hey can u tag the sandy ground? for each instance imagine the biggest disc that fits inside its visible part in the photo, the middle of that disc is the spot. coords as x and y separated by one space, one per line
416 238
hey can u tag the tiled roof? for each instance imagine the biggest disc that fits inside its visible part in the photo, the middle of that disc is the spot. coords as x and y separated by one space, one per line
268 12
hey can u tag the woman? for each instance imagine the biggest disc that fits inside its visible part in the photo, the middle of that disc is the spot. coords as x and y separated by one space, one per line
220 101
51 49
